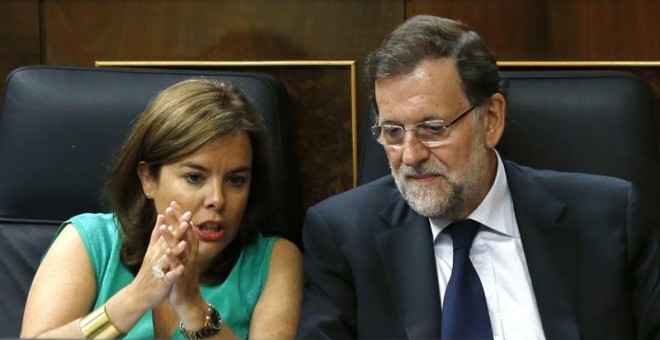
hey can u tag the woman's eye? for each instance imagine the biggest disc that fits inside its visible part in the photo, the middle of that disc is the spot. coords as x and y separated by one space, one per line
237 181
193 178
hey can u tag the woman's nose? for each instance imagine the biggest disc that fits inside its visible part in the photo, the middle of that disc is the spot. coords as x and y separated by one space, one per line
215 198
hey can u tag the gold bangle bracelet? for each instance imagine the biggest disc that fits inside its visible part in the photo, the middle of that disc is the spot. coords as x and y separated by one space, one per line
97 325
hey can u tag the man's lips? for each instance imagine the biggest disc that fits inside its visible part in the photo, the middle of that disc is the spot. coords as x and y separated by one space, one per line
424 177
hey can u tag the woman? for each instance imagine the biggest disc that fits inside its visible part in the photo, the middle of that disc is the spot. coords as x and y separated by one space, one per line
182 254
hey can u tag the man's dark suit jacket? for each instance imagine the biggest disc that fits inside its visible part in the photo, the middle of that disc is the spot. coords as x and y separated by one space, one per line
371 273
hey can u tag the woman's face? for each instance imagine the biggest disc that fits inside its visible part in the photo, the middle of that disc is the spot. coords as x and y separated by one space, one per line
213 184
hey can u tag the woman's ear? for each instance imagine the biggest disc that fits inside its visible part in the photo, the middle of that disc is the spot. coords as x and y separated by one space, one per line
495 115
148 182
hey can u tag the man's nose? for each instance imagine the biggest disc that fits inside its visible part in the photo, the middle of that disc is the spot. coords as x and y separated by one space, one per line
413 151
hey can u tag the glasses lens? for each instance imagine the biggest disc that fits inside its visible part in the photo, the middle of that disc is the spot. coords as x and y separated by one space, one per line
432 132
375 131
388 134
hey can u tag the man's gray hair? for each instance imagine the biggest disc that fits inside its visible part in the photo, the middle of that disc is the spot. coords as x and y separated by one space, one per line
423 37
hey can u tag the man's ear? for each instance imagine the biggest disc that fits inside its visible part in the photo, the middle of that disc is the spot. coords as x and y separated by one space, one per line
148 181
494 117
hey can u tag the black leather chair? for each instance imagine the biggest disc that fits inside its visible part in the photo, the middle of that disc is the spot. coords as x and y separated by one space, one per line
59 129
600 122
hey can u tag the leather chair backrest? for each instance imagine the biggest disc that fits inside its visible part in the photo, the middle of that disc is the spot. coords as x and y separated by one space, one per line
59 130
599 122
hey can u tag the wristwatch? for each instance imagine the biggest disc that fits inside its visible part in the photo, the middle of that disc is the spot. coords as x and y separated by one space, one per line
212 326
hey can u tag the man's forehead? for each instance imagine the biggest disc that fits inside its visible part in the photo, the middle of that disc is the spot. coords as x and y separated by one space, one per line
419 73
442 73
420 70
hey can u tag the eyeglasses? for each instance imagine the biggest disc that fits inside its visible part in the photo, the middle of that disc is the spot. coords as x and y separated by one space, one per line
430 133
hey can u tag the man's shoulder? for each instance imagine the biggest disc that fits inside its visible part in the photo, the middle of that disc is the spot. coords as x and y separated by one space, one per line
554 177
373 194
570 187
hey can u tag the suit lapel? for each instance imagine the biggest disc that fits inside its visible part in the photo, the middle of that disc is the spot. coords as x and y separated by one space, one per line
551 250
406 252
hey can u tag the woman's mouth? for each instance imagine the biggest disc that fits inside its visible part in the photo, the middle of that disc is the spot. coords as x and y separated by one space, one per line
210 232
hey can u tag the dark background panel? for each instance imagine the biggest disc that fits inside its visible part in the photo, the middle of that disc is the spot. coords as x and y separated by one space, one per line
80 32
84 30
557 29
19 35
514 30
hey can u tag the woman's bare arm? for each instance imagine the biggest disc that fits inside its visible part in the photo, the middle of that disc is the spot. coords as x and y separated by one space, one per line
64 289
278 309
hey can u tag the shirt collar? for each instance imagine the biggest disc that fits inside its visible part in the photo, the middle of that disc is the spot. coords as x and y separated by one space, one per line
495 211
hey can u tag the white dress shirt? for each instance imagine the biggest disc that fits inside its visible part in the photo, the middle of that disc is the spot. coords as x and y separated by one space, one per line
498 257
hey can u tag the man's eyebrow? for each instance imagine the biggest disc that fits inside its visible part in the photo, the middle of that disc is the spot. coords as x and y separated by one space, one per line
428 118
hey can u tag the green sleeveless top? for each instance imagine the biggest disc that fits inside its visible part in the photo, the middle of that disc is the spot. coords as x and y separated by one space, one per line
235 298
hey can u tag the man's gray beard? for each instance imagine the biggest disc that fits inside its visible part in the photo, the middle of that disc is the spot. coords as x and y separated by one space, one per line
425 199
463 194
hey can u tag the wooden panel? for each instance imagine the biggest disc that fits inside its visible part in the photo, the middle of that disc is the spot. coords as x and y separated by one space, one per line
512 29
557 29
19 35
605 30
80 32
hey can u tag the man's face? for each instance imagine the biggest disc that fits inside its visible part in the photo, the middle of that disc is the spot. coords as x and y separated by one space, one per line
449 180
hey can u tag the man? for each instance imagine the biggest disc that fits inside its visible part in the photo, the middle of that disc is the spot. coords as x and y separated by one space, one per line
557 255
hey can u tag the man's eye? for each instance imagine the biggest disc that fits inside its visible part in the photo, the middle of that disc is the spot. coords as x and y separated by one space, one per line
193 178
392 130
432 128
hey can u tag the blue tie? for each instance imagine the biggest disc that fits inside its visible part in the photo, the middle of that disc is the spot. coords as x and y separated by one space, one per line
464 310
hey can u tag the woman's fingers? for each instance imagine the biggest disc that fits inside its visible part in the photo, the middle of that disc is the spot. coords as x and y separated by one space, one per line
177 255
168 246
163 262
155 234
168 268
155 280
176 215
177 223
173 236
160 268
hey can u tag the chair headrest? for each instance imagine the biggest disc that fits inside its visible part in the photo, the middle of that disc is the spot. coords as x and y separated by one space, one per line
61 126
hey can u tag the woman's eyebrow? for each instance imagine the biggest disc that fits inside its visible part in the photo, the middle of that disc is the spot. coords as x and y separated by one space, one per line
195 166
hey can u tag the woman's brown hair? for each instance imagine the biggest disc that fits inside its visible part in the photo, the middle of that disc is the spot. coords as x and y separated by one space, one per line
178 122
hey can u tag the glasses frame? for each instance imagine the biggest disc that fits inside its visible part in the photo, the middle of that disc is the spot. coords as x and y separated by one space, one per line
413 129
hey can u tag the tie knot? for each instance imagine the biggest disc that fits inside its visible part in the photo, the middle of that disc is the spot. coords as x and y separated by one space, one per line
463 232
